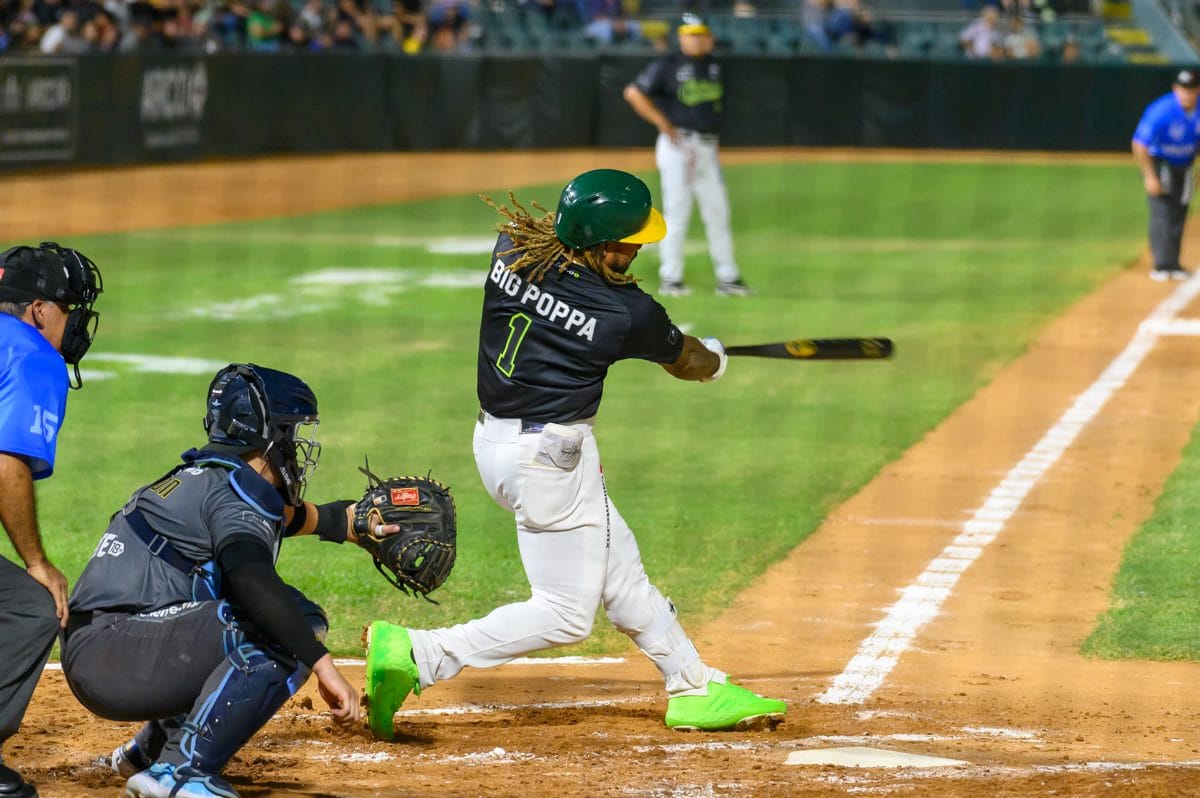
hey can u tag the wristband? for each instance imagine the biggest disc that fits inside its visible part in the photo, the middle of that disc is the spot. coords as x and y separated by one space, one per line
299 516
331 521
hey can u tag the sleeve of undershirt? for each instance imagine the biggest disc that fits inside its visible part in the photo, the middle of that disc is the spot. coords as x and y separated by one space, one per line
253 585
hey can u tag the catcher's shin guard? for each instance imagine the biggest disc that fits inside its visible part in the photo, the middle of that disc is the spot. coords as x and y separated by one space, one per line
391 675
238 698
240 695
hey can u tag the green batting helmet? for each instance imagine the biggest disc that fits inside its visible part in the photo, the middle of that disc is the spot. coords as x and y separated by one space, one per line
607 205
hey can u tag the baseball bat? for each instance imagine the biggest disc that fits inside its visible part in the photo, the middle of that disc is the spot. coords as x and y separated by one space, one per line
819 349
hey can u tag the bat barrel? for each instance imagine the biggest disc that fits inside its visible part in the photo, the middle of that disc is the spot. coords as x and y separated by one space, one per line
819 349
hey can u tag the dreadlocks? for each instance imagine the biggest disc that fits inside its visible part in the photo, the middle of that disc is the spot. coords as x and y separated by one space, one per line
541 248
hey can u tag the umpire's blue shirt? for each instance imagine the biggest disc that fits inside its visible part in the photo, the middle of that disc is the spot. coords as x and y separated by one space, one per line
1169 132
33 395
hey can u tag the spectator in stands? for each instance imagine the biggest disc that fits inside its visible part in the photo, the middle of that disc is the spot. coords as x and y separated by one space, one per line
309 23
851 24
172 27
449 25
1020 42
546 7
47 12
981 38
101 33
230 23
64 37
1070 50
606 22
20 24
345 37
408 25
815 17
135 36
264 28
362 17
24 30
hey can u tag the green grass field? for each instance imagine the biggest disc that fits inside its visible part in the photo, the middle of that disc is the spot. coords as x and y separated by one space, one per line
1156 601
377 309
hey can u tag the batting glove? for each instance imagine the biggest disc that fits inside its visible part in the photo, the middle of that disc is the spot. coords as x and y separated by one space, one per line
716 347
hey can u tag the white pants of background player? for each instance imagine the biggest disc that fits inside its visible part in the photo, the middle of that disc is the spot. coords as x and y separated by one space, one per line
578 553
691 168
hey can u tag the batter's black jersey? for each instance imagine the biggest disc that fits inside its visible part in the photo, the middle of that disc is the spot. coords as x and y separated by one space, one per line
688 91
199 508
545 348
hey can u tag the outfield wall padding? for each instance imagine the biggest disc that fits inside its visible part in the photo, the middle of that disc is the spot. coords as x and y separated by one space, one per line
163 107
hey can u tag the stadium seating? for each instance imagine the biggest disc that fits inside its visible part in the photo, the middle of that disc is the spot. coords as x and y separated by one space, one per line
921 29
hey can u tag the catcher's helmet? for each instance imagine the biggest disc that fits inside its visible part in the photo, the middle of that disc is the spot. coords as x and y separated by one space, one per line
607 205
254 408
56 274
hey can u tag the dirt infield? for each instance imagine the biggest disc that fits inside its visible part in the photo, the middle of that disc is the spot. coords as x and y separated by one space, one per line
986 672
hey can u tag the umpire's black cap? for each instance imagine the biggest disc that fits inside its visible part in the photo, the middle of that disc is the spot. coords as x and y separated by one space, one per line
1188 78
28 273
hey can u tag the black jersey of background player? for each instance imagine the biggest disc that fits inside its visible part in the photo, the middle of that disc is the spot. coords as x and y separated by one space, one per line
688 91
545 348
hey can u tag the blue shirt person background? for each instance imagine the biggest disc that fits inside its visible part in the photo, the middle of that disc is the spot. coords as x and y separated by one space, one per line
1164 148
46 324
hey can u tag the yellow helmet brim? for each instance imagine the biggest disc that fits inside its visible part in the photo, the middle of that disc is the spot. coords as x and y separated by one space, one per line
655 229
693 30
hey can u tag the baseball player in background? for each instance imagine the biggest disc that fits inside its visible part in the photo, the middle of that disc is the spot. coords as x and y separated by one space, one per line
681 94
179 617
46 324
1164 147
559 309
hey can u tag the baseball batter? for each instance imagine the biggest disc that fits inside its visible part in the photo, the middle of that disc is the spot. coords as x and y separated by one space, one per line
1164 147
179 617
681 94
559 309
46 324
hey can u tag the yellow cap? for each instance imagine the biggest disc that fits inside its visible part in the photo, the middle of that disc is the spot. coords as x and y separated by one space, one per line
693 25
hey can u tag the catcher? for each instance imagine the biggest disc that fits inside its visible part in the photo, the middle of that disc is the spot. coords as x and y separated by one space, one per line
179 618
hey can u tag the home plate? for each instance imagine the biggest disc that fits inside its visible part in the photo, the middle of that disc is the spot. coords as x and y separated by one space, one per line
859 757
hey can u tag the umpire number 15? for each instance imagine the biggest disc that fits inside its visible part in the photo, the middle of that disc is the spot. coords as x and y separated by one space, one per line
45 423
518 325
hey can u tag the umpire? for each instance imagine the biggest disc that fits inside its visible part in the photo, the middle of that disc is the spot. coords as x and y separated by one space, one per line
46 324
1164 146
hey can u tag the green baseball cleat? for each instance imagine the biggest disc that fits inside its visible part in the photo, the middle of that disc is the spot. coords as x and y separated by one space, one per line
391 675
726 707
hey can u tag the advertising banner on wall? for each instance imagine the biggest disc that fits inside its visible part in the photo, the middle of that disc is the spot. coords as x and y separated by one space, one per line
174 94
39 109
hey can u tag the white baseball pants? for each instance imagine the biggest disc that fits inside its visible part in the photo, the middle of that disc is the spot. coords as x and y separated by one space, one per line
578 553
692 168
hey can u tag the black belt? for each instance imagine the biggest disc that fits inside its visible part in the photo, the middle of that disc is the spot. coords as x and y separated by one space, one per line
526 426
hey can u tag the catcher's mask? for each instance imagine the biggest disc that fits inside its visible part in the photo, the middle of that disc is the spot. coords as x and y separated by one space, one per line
607 205
254 408
62 275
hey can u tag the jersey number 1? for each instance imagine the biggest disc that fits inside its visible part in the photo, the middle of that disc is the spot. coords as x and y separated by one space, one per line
518 325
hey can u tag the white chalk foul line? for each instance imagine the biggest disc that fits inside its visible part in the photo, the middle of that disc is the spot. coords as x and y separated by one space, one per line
922 600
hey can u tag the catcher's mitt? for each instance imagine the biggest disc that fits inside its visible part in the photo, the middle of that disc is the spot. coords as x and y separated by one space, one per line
418 558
